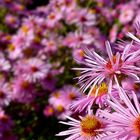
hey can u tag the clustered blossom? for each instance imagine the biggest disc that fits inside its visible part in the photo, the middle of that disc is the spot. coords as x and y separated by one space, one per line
60 99
120 115
38 44
111 108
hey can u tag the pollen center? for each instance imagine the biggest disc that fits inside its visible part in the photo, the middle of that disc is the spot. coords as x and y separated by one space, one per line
25 84
109 64
89 125
34 69
136 126
102 90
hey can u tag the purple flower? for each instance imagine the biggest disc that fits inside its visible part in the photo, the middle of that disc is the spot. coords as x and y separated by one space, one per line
99 69
125 119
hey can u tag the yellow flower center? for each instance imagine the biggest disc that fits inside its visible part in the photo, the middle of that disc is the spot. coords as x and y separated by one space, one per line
60 108
89 125
25 29
136 125
81 53
102 90
37 39
50 110
57 94
11 47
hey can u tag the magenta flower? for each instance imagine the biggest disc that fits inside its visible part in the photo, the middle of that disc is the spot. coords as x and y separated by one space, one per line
23 90
125 119
87 128
127 14
99 69
32 69
61 99
98 96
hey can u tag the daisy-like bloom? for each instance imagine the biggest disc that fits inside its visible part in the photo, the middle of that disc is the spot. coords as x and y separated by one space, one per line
67 5
78 39
53 18
50 46
11 20
32 69
60 100
89 127
23 90
78 53
85 17
48 111
98 96
127 14
99 69
23 38
125 119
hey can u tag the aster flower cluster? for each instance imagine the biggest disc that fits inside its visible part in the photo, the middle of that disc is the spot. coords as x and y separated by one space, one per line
111 107
38 43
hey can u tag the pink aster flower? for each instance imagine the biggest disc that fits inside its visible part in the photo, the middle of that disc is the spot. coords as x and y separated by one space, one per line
125 119
23 90
50 46
78 54
77 39
59 102
89 127
98 96
61 99
85 17
48 111
32 69
23 38
66 6
11 20
99 69
53 18
127 14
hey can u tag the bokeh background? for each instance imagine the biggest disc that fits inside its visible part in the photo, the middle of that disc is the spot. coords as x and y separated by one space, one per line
40 42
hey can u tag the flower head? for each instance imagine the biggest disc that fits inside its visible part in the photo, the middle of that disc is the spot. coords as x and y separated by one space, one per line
125 119
87 128
99 69
32 69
